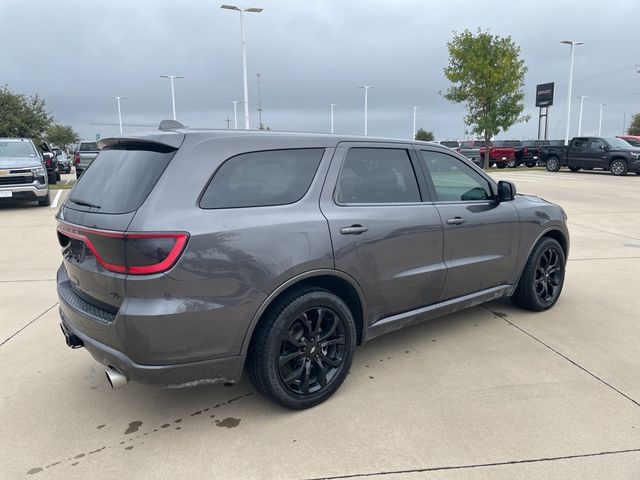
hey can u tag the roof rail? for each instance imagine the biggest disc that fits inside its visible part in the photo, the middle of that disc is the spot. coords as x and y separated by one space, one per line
170 125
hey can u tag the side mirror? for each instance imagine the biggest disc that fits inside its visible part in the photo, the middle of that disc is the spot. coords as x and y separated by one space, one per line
506 191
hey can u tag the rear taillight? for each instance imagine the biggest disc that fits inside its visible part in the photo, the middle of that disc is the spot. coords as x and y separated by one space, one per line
76 158
124 252
525 150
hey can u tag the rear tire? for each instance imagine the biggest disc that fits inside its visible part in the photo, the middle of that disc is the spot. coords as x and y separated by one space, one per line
501 165
52 179
553 164
542 279
530 165
58 175
302 349
46 201
618 168
512 164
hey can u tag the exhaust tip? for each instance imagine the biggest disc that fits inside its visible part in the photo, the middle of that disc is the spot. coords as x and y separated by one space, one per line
115 378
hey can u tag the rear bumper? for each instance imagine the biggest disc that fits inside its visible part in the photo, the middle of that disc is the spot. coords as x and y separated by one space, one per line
219 370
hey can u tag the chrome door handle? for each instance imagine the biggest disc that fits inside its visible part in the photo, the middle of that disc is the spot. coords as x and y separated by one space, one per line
455 221
353 230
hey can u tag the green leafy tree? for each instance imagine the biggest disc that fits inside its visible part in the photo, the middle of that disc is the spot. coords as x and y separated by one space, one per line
22 116
634 127
487 75
62 136
424 135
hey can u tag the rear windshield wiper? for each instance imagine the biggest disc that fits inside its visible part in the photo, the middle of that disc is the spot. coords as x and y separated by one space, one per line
77 201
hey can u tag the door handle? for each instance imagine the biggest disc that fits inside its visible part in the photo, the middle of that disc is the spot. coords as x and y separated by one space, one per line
353 230
455 221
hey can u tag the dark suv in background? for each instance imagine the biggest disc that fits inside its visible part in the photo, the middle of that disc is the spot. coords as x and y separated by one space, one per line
189 255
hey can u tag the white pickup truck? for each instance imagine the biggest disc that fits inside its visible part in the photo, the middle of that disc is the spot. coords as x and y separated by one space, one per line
85 154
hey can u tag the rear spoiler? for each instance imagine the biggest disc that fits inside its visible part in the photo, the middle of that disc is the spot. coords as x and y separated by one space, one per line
166 141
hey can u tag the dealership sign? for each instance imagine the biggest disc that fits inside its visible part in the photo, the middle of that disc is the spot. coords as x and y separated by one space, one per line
544 95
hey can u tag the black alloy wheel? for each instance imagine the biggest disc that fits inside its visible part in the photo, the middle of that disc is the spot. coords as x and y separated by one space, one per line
548 274
302 348
312 349
542 279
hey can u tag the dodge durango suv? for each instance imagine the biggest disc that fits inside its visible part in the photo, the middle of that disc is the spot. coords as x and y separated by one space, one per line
190 255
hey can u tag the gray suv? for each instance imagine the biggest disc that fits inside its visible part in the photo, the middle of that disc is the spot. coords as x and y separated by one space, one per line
190 255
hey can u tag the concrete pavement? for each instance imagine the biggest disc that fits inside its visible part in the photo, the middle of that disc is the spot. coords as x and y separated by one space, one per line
494 392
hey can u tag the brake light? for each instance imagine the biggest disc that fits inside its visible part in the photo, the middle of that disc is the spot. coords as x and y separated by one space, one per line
76 158
124 252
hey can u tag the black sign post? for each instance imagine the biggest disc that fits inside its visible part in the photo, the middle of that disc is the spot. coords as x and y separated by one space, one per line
544 99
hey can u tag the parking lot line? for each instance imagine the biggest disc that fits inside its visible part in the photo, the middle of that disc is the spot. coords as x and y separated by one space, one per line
54 204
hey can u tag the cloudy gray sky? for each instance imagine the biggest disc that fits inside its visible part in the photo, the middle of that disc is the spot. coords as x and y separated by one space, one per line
77 54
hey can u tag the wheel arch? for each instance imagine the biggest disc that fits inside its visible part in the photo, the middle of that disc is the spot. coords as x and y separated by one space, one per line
335 281
552 232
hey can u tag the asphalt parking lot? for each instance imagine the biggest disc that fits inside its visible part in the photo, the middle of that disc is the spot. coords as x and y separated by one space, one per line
490 393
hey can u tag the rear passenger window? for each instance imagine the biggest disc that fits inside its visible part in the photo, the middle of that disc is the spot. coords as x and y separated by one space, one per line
377 175
260 179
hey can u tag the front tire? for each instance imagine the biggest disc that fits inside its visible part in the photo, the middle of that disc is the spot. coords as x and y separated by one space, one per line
553 164
541 281
302 350
618 168
512 164
46 201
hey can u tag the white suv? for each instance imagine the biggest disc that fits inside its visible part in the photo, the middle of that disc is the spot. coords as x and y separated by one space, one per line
23 175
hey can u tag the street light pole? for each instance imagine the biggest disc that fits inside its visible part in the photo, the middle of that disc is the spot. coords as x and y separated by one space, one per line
235 113
242 10
413 132
366 107
332 106
119 112
573 44
602 105
173 91
581 97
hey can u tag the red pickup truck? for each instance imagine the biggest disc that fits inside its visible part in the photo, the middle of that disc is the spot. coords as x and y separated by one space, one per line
499 155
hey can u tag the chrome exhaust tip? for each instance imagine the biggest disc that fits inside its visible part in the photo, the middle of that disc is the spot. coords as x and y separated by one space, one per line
115 378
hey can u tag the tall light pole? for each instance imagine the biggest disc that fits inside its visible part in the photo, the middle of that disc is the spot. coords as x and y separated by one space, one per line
119 111
235 113
581 97
366 107
332 106
602 105
573 45
173 91
244 57
413 132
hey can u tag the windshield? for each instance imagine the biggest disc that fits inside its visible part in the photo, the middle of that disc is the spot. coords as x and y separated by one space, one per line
16 149
449 143
617 143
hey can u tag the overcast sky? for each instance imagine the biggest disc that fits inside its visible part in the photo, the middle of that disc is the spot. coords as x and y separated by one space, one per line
78 54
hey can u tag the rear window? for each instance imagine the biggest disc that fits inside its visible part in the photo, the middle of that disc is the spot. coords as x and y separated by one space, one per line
450 144
88 147
260 179
119 180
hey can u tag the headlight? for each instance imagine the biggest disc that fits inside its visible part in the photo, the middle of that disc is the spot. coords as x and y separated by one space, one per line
634 155
38 171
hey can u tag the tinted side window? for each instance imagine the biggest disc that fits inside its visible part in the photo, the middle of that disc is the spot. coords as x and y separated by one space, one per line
580 143
260 179
453 180
377 175
596 144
